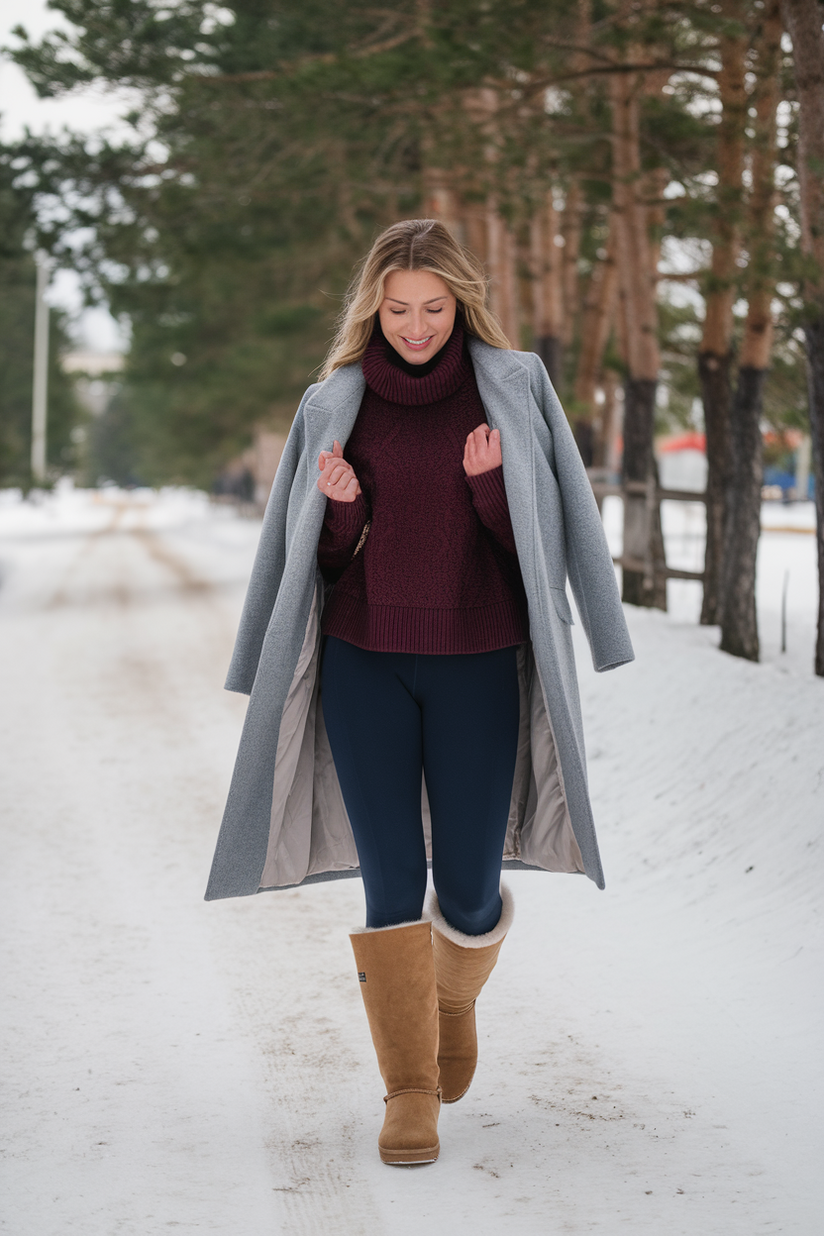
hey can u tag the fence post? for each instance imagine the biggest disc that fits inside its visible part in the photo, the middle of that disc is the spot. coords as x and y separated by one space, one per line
40 386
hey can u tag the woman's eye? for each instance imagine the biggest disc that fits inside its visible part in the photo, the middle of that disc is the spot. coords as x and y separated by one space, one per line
397 311
437 310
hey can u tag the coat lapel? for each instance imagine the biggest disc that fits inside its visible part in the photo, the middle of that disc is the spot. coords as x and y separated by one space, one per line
503 384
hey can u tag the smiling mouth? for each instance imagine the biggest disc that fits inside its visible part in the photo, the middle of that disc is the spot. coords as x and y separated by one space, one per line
417 343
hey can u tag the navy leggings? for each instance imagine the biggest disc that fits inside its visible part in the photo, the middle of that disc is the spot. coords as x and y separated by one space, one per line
389 715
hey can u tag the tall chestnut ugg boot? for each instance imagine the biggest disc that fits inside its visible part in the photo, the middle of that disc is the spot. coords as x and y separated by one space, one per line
396 968
462 966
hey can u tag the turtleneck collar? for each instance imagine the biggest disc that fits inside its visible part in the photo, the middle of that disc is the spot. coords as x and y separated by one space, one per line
397 381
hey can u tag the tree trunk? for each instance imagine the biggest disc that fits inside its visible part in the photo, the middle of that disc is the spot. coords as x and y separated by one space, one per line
655 182
440 201
636 277
715 352
547 291
643 540
739 629
814 334
550 348
596 323
475 229
802 19
501 261
570 252
487 231
612 421
716 392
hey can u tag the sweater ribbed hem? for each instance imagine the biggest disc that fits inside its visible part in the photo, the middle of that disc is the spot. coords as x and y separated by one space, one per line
397 628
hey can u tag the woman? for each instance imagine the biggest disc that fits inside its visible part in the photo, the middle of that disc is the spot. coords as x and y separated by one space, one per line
406 645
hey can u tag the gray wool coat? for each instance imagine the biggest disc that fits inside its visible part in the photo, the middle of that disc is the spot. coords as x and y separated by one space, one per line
285 821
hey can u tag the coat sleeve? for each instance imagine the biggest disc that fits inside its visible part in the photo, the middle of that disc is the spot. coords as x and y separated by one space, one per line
269 562
589 562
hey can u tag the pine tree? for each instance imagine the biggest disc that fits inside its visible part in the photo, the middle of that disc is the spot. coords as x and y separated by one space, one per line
802 19
17 306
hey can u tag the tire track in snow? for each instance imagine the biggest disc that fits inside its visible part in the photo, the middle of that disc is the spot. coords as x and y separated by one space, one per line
140 1104
140 684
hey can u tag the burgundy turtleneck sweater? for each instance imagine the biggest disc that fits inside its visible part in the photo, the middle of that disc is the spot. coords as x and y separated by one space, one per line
438 572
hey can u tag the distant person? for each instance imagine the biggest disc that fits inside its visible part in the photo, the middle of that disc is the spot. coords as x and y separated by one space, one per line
246 485
407 621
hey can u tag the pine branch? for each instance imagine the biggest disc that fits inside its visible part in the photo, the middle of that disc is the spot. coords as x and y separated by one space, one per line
295 66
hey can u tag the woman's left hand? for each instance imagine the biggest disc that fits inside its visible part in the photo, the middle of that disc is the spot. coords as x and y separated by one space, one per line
482 452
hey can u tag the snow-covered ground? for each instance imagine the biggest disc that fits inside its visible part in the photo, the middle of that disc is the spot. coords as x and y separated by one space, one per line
650 1055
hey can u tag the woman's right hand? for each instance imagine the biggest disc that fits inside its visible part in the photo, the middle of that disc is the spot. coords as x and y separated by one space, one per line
337 477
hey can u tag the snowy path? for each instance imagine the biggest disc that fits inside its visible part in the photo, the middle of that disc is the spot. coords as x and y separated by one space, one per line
651 1055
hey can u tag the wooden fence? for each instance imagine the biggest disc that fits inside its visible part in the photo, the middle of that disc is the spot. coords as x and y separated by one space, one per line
654 494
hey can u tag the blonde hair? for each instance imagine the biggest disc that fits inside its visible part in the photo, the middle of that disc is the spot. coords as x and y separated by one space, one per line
412 244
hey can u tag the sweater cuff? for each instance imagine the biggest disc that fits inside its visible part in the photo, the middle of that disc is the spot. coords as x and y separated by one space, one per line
489 500
344 519
488 489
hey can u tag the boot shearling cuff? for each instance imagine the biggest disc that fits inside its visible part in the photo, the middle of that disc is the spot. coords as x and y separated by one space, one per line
433 910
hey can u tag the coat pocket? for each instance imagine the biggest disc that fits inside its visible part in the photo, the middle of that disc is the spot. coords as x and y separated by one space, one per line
562 605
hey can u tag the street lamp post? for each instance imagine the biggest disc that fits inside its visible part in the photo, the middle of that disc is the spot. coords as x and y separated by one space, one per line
41 371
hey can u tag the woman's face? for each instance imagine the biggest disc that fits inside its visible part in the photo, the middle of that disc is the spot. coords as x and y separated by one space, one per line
417 313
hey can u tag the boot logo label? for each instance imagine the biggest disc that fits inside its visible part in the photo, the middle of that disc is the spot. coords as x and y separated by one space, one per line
362 976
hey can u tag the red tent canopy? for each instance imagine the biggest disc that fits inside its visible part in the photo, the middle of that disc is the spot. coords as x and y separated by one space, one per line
686 442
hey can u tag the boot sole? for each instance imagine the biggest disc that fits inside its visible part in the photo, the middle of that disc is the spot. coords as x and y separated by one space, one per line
407 1158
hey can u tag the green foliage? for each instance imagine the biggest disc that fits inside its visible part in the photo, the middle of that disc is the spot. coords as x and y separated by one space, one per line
113 446
17 305
273 139
786 395
680 337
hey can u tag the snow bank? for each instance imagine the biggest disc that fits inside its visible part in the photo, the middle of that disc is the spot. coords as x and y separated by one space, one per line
650 1055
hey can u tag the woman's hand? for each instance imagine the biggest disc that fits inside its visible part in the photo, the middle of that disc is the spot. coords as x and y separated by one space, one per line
337 478
482 452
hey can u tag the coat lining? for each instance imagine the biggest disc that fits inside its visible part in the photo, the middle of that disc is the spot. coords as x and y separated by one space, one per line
306 787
